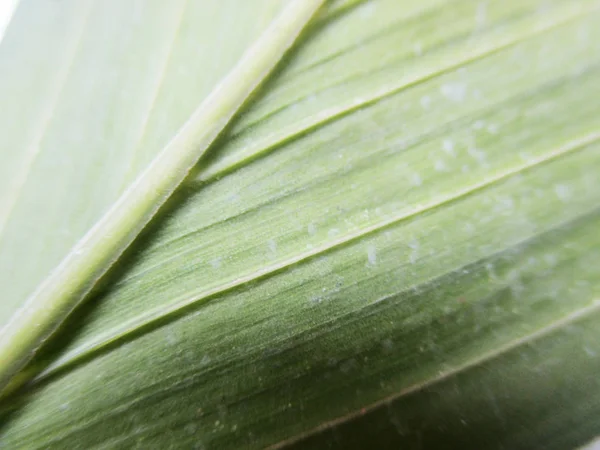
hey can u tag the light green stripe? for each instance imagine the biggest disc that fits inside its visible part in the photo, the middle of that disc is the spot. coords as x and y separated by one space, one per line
73 279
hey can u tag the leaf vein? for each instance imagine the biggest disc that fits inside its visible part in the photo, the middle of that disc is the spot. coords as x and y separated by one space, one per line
153 317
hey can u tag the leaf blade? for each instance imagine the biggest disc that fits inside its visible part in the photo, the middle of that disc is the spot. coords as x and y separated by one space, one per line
92 256
338 332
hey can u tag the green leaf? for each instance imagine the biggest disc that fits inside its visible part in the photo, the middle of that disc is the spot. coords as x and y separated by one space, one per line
73 279
395 241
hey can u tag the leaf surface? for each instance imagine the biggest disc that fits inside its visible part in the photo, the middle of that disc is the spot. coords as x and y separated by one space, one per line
399 233
91 257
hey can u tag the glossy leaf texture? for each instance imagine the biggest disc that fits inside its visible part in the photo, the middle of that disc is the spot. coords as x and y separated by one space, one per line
395 242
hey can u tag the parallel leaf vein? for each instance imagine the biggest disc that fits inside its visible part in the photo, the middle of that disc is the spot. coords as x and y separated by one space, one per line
149 318
33 149
549 329
270 142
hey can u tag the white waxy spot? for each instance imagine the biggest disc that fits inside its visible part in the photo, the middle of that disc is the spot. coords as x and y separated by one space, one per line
312 229
272 245
333 232
448 147
414 246
481 14
492 128
426 101
401 143
506 203
454 91
416 179
316 299
562 191
589 352
526 156
372 255
478 124
216 263
387 344
479 155
190 428
417 48
440 166
367 10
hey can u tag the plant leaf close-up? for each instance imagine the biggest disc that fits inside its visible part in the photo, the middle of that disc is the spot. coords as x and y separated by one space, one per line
385 236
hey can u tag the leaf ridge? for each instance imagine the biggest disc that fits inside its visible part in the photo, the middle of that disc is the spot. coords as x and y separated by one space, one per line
330 324
155 91
153 317
480 113
549 329
263 146
104 243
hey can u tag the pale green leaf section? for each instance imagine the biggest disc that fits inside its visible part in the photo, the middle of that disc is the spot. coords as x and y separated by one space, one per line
399 233
67 285
96 90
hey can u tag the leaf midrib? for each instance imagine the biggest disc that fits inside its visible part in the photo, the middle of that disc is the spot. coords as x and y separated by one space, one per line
128 173
72 280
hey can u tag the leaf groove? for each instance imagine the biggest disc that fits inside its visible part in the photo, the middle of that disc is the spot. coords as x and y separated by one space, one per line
156 316
556 326
263 146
